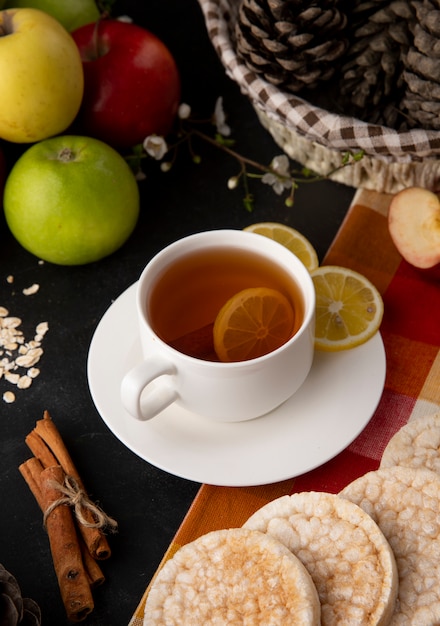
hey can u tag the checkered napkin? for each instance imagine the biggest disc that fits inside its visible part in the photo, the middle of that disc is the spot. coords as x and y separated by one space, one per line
337 132
411 333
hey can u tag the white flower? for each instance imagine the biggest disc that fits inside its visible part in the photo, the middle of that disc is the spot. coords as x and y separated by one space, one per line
233 182
155 146
280 165
219 118
279 179
184 111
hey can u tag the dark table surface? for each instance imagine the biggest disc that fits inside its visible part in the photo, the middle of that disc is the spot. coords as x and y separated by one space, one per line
148 503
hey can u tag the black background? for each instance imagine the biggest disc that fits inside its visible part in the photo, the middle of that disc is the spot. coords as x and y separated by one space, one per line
148 503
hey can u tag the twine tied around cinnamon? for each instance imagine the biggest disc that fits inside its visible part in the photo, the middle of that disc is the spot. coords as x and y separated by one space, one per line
78 499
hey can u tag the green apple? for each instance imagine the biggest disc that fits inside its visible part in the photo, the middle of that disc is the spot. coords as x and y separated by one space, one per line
70 13
42 79
71 200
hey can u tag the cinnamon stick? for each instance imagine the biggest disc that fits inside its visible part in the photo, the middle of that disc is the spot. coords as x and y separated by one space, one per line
94 572
66 552
46 444
40 450
31 470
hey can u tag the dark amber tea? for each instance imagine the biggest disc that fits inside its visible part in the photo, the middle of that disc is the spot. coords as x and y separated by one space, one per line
189 293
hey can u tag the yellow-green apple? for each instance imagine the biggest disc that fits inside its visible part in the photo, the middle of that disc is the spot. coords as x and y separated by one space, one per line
132 83
2 175
41 76
414 225
71 200
70 13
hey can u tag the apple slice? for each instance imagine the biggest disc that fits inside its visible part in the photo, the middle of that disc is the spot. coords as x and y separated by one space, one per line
414 226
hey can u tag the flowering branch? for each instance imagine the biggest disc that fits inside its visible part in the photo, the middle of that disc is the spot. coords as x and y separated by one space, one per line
278 174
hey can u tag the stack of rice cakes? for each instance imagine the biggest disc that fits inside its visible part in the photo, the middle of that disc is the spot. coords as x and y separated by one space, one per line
369 555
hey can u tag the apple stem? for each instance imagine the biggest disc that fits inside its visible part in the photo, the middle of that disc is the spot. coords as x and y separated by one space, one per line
66 155
97 48
6 27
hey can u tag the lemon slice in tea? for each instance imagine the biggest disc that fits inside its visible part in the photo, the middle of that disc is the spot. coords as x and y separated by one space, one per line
252 323
289 238
349 308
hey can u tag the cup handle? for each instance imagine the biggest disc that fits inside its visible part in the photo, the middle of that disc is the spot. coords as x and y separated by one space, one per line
155 400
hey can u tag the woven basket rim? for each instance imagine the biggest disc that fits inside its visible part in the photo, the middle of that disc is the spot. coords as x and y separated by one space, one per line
338 132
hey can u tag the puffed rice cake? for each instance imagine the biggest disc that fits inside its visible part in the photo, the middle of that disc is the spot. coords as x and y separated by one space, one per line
405 503
233 577
347 556
417 444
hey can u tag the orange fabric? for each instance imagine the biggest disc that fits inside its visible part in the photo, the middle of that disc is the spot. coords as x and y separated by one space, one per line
226 507
411 335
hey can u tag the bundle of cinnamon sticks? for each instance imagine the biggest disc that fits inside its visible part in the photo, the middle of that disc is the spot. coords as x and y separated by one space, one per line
74 524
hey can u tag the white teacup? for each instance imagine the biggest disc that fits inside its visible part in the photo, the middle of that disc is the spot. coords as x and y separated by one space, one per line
168 301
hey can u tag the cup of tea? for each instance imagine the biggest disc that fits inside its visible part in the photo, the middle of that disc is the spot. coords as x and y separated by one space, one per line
179 296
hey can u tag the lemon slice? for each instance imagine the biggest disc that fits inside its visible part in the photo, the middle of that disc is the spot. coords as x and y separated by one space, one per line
289 238
349 308
252 323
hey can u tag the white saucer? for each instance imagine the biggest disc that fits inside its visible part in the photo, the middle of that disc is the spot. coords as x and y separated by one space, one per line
335 403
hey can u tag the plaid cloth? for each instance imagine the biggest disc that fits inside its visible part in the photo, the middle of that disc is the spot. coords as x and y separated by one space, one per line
338 132
411 335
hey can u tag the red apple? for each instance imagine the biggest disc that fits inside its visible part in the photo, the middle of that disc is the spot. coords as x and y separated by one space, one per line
132 83
414 225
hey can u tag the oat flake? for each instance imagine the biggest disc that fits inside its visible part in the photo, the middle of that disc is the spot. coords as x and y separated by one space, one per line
42 329
24 382
12 378
19 357
30 358
29 291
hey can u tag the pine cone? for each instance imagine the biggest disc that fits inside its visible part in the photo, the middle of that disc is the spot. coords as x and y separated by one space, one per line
371 76
294 44
15 610
421 100
359 11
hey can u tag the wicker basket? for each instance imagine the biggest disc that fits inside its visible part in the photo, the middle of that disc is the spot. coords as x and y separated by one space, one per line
317 138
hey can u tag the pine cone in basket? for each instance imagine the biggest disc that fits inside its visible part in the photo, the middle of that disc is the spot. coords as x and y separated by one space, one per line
359 11
371 81
293 44
15 610
421 101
